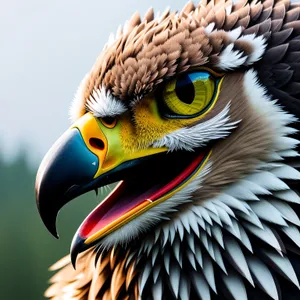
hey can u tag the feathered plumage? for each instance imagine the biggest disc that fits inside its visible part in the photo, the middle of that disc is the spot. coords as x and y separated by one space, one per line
232 232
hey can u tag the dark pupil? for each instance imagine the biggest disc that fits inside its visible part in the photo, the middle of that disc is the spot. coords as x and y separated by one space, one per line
108 120
185 89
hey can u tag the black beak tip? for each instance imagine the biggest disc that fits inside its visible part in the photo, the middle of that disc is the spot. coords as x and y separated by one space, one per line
77 247
51 226
66 168
49 219
54 232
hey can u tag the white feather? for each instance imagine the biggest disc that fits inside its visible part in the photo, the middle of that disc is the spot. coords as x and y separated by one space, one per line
263 277
231 59
190 241
202 212
258 44
267 212
191 258
218 235
156 271
242 191
234 203
286 211
219 257
283 266
235 33
102 104
234 229
252 218
209 28
265 107
208 272
288 195
167 260
245 239
237 258
175 279
188 138
199 256
268 181
184 288
286 172
200 286
157 290
265 235
77 103
293 233
144 277
235 286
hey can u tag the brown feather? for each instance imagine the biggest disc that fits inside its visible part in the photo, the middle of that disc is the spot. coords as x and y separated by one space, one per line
110 279
116 66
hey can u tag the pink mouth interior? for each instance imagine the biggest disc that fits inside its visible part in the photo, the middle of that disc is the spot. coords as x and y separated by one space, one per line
127 195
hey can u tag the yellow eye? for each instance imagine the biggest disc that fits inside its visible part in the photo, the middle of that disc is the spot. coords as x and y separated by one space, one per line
190 94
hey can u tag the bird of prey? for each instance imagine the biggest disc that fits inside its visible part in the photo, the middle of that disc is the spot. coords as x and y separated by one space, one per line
195 116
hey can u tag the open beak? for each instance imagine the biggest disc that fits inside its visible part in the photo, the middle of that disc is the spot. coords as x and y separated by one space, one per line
89 155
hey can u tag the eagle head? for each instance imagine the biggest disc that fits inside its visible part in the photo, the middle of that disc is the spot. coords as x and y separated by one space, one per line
192 114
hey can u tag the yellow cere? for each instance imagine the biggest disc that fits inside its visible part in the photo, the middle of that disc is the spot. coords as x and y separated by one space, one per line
190 93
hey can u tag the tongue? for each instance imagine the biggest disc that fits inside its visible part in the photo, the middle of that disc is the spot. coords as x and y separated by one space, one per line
128 196
123 199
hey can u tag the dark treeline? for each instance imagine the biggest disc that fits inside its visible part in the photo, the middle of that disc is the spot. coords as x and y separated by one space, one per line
27 249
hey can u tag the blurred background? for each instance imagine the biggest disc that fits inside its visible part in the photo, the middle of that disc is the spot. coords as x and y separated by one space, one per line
46 49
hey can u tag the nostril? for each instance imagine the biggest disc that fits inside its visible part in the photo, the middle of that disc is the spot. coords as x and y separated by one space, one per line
97 143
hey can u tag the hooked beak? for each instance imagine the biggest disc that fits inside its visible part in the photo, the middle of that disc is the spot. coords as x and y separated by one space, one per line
67 168
89 155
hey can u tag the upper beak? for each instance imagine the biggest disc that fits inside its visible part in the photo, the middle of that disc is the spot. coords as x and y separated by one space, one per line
86 156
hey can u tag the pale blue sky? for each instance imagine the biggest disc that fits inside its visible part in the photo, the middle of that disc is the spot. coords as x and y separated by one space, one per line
46 48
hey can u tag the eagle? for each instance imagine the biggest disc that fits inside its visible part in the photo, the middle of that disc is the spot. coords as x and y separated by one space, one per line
194 116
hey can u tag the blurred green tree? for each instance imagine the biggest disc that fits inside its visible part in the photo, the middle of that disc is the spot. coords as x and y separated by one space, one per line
27 249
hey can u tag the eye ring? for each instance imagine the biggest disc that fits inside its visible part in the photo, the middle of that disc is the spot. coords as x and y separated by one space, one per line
197 93
109 122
